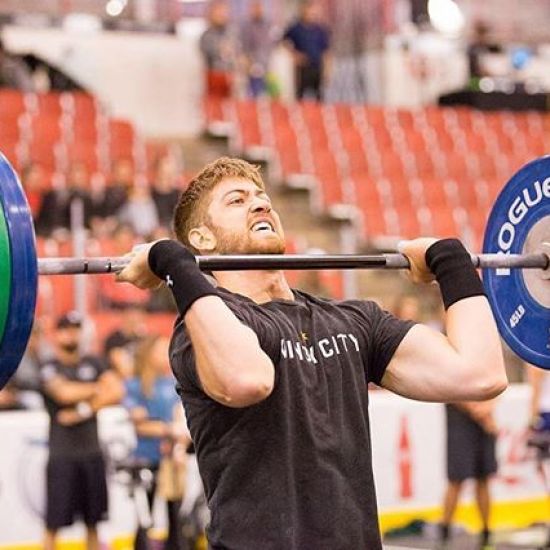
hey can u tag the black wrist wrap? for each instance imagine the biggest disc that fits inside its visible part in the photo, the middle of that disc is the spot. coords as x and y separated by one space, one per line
173 263
452 266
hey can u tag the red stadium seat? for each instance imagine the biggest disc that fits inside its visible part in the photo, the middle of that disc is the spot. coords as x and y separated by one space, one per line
12 103
45 136
374 211
121 138
49 104
85 152
80 105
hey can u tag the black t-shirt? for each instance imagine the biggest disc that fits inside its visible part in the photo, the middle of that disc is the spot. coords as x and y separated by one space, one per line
294 471
165 203
79 439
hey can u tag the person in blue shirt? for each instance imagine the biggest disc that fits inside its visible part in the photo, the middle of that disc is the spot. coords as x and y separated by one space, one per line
309 41
154 409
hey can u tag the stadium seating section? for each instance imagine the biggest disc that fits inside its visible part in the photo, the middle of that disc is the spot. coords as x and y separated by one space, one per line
56 130
398 173
59 129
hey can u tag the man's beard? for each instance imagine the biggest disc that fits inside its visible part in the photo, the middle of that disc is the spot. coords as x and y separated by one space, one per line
70 347
232 243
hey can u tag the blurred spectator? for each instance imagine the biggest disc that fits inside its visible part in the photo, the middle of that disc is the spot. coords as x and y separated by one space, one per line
26 379
115 295
477 49
120 345
33 180
118 188
47 76
156 412
9 398
75 388
219 47
309 41
257 42
14 73
139 211
165 189
471 454
539 380
22 390
55 210
471 433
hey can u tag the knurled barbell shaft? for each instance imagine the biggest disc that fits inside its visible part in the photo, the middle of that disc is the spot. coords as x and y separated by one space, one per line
77 266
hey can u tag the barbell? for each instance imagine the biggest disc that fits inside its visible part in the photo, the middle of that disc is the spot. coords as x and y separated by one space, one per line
515 265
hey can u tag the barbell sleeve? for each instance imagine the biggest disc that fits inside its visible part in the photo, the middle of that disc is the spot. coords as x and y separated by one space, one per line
76 266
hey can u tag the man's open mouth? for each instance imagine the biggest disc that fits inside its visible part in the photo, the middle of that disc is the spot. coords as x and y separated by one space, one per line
262 226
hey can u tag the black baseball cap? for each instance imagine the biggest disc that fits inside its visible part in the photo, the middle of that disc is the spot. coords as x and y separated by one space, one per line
70 319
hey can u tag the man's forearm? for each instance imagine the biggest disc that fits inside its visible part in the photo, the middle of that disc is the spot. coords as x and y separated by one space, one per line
67 392
465 363
469 323
472 331
153 428
110 391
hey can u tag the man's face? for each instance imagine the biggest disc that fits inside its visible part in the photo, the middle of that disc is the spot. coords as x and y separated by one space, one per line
124 239
242 219
310 13
219 14
256 10
78 176
68 338
123 172
134 321
34 178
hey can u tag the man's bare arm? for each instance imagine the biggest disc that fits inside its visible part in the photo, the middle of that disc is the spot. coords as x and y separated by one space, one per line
232 367
110 391
68 392
535 378
465 365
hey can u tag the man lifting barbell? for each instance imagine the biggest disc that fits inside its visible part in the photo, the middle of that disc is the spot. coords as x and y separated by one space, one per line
274 381
515 262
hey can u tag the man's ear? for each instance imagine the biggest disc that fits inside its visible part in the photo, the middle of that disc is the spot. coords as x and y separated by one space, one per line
202 239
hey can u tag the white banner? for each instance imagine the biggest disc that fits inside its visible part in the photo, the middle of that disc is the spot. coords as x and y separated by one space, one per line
408 447
409 451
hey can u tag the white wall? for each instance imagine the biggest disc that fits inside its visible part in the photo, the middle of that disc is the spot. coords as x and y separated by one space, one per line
153 79
418 75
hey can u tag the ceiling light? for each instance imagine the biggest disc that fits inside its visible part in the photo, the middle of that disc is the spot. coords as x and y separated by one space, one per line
445 16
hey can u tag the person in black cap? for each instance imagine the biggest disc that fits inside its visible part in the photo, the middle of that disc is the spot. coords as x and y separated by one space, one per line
75 387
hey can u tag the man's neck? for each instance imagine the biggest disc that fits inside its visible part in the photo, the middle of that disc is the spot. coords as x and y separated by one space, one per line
259 286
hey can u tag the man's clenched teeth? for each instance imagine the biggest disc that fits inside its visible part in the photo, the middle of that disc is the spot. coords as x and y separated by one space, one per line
262 226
